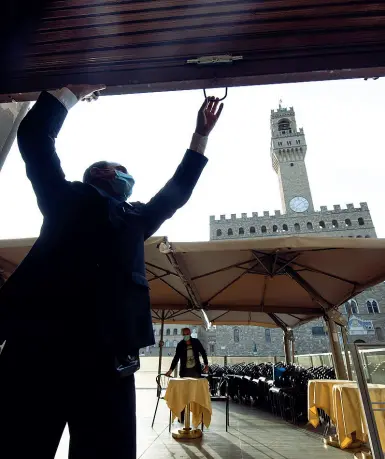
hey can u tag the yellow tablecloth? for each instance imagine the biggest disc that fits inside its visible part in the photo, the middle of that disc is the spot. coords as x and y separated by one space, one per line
320 396
181 391
349 417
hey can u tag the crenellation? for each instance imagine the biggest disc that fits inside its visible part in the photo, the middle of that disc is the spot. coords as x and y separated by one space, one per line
223 217
244 216
233 217
350 206
266 213
324 209
254 215
277 213
364 206
337 208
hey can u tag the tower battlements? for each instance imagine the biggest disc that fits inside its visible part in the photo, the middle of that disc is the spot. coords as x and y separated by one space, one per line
282 111
324 210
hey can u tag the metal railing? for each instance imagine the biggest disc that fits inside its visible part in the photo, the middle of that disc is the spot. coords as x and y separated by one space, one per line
373 364
358 355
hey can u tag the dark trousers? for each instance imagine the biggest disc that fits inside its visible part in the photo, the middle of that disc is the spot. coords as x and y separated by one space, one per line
45 384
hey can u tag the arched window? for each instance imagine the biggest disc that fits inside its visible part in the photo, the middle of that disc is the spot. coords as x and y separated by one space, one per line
168 332
175 343
252 230
379 334
229 232
284 227
167 343
348 222
358 236
372 306
236 335
283 125
351 307
219 232
175 331
241 231
263 229
322 224
367 237
309 226
335 224
297 227
275 228
267 335
361 221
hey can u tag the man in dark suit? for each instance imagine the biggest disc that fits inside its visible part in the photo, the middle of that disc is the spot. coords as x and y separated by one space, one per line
187 352
77 309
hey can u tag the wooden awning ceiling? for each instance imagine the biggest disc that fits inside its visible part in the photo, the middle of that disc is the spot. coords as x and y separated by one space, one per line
152 45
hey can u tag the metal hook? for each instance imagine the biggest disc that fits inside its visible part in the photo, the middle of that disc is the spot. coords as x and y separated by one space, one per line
220 100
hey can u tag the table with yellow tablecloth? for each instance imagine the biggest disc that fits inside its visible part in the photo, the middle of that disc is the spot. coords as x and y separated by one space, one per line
340 400
349 417
320 397
193 394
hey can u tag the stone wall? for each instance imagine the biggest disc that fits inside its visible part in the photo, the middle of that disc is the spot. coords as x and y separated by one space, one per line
337 222
171 339
253 340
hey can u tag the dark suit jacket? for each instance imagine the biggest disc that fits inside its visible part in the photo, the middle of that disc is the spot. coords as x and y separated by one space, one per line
85 275
181 354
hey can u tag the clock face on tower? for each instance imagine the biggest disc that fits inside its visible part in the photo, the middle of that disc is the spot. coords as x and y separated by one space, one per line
299 204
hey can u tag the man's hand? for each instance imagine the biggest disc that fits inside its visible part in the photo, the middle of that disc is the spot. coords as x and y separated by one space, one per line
208 116
86 92
168 374
206 369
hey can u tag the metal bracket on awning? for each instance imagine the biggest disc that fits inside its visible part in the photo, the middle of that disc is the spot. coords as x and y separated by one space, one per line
210 60
220 100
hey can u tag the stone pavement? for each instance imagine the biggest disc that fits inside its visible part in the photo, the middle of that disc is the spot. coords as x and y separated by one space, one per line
252 434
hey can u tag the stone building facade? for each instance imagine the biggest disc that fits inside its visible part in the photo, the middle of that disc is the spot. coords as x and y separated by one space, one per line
366 313
172 334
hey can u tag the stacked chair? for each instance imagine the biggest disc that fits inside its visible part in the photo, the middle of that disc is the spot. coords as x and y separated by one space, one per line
280 388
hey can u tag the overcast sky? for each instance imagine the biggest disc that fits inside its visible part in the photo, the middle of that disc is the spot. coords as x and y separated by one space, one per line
343 123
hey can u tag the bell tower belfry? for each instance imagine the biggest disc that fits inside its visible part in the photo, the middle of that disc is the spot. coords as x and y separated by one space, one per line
288 151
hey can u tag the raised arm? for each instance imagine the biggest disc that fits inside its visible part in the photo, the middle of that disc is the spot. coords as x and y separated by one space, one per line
36 138
178 190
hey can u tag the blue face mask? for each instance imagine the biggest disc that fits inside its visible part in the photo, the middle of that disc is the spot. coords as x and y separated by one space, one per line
122 185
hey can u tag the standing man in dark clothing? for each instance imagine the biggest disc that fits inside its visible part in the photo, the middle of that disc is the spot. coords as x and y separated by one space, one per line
76 311
187 352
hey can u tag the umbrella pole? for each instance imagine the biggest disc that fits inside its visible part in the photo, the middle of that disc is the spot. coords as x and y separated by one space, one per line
346 350
286 341
338 360
160 347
